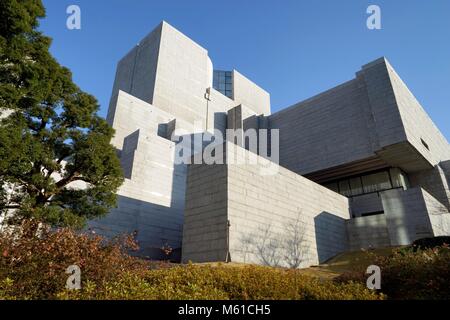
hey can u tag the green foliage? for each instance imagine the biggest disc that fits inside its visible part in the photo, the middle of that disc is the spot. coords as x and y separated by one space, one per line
33 267
411 274
6 287
53 136
202 282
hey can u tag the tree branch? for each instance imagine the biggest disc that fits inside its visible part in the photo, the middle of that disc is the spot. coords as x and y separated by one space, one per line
16 206
65 181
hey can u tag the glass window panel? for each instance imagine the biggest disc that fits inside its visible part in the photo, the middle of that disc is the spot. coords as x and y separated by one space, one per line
221 86
383 181
344 188
228 86
369 184
399 179
356 186
396 178
376 182
332 186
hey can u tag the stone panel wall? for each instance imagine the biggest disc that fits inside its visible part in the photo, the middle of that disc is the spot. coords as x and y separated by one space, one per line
261 206
205 215
368 232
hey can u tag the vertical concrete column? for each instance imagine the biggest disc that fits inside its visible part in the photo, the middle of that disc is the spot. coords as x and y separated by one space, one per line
434 181
235 123
234 118
445 165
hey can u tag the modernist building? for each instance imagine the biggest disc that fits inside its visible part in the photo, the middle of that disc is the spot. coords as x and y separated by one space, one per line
360 165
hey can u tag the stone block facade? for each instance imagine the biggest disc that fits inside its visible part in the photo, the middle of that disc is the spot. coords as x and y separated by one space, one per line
360 165
233 209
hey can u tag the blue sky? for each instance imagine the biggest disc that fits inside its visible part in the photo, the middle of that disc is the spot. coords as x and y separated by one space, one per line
292 48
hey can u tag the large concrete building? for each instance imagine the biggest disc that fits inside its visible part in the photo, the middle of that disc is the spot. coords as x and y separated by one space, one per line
361 165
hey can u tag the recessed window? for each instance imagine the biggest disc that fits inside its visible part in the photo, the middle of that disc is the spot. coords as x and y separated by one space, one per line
425 144
377 181
372 213
356 186
223 82
332 186
344 188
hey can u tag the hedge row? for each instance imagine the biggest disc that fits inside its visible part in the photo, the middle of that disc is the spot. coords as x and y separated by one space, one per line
33 265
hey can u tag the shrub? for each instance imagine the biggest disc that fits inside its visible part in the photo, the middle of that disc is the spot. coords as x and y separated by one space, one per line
410 274
36 262
222 282
6 289
429 243
33 265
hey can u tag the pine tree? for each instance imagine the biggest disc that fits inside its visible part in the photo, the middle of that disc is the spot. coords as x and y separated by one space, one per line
50 134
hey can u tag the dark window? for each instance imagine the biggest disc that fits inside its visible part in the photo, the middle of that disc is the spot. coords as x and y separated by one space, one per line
332 186
368 183
425 144
344 188
376 182
372 213
356 186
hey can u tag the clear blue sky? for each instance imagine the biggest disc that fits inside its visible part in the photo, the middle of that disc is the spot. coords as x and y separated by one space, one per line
293 49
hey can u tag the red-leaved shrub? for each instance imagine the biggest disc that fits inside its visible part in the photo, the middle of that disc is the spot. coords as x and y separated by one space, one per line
35 259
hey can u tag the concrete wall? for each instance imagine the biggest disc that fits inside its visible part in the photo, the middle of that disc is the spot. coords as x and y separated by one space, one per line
136 72
383 115
164 84
133 114
417 123
5 113
445 165
406 215
182 76
368 232
172 72
259 203
205 215
324 131
262 207
169 70
372 116
249 94
438 214
367 203
434 182
161 85
218 105
151 201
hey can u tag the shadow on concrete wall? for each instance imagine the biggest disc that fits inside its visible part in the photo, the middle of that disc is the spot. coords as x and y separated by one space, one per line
157 228
331 235
266 246
152 235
